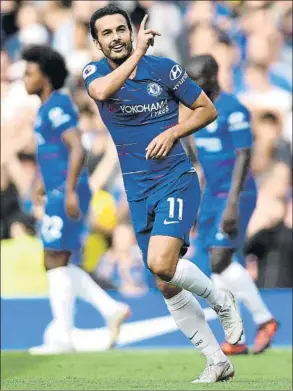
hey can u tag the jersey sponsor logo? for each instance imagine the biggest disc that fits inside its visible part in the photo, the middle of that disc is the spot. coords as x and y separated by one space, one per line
211 144
237 121
175 72
180 82
154 89
88 70
155 109
58 117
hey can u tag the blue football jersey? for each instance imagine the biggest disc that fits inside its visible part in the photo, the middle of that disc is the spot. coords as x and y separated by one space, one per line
55 116
142 109
217 144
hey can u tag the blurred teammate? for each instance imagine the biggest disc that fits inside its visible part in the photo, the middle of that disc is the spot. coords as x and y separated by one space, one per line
138 98
64 182
229 199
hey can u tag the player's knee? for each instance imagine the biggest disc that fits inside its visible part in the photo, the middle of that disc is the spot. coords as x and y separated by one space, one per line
221 258
167 290
162 266
54 259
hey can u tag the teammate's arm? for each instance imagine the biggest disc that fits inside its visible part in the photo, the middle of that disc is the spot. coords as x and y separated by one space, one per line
104 87
239 129
203 112
72 139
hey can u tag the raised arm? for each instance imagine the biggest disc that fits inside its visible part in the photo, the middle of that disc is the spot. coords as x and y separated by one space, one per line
104 87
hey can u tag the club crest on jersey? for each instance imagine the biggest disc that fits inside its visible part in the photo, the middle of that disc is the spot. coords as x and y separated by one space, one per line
88 70
154 89
175 72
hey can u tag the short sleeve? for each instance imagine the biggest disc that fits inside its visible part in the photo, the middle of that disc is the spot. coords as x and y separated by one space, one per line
179 83
91 72
63 117
239 127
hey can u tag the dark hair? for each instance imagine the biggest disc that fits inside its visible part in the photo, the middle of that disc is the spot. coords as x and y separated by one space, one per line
51 63
110 9
204 66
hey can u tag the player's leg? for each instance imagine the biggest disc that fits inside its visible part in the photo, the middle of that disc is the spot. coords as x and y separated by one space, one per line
84 286
55 230
235 276
61 297
113 312
205 231
190 319
182 305
174 217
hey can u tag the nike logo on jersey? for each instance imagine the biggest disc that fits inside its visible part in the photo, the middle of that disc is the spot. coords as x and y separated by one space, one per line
166 222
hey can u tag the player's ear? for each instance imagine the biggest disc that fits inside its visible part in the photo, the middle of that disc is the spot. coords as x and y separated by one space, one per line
97 44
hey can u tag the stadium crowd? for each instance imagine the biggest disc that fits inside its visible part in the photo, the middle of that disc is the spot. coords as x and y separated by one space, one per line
252 42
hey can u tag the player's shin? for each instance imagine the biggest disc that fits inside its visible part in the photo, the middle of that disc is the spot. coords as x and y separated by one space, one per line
87 289
188 276
190 319
62 303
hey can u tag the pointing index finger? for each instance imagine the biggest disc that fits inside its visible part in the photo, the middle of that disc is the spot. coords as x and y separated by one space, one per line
143 23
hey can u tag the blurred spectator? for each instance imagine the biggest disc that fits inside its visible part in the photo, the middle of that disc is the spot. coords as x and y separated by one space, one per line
270 253
269 144
261 94
80 55
123 263
30 31
8 15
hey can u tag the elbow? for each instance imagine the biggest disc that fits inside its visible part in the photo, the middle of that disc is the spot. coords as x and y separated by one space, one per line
99 93
213 114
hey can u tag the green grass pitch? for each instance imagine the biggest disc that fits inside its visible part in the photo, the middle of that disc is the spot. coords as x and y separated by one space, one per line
140 370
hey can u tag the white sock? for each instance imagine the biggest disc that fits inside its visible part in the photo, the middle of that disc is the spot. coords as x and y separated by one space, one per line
217 279
87 289
62 301
190 319
238 280
188 276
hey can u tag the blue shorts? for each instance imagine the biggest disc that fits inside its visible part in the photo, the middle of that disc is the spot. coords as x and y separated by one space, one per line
209 232
170 211
58 231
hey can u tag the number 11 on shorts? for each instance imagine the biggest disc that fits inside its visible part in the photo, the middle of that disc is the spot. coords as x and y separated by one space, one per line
172 203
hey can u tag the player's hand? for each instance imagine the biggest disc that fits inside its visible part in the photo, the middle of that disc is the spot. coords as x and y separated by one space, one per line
160 146
72 206
230 220
145 37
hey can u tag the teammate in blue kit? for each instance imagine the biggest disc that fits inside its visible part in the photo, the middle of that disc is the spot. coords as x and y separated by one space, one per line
229 199
138 98
64 182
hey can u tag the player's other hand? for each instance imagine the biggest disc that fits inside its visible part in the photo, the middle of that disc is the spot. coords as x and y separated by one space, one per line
145 37
230 220
160 146
72 205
